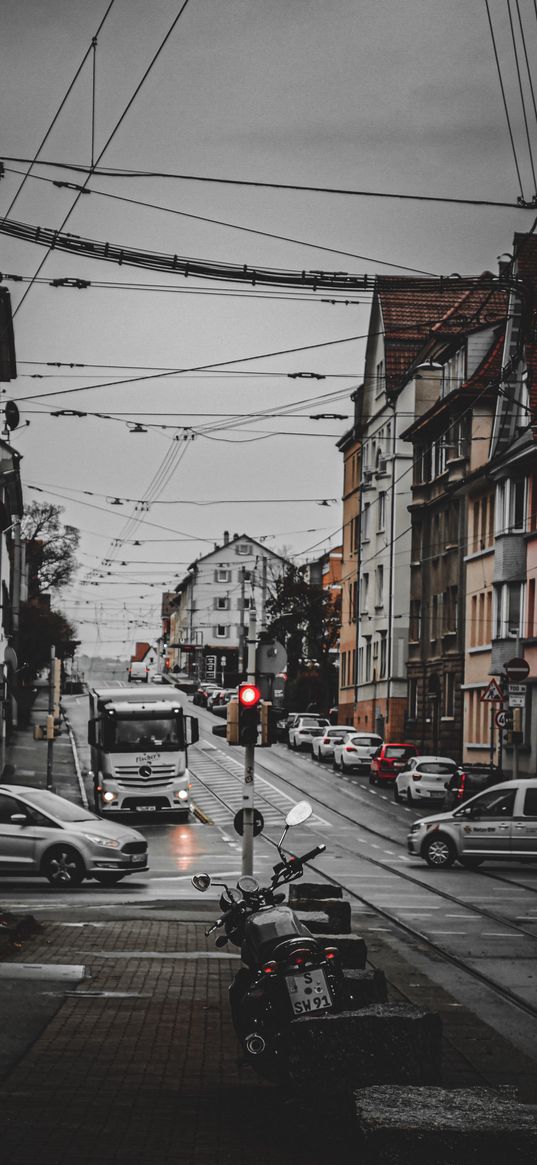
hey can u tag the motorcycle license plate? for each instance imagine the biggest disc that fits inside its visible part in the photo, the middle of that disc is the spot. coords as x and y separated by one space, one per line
308 992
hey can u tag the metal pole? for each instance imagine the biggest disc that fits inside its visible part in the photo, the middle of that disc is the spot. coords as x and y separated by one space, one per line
263 620
50 741
249 761
241 623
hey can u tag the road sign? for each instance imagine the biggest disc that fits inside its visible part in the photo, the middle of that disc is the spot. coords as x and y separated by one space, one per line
503 720
238 822
517 695
210 665
517 670
492 694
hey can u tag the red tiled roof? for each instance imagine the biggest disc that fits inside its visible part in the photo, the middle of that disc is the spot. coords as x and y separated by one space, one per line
140 652
413 314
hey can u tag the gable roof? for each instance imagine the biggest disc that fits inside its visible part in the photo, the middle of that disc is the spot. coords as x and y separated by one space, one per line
413 313
237 538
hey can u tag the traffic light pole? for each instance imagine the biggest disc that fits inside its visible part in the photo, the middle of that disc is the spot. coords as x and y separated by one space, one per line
249 761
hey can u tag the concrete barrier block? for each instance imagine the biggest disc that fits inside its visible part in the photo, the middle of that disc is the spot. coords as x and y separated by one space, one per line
337 911
364 988
352 949
316 921
381 1044
439 1126
315 890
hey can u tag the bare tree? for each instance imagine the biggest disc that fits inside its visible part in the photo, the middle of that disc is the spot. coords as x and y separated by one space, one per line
50 548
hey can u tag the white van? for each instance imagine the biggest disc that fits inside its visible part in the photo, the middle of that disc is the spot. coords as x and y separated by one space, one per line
500 823
138 672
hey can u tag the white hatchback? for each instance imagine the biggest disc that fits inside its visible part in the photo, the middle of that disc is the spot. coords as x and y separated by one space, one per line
354 752
425 779
322 747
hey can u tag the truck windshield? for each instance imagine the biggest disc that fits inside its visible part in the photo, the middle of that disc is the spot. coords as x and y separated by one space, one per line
133 735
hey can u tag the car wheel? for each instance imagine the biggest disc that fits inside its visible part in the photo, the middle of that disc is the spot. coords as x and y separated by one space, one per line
106 879
439 852
63 867
471 863
396 795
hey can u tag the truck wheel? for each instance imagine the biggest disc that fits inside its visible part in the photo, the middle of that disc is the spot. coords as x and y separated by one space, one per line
439 852
63 867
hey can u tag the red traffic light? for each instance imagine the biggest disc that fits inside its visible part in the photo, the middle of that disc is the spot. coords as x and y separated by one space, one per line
249 695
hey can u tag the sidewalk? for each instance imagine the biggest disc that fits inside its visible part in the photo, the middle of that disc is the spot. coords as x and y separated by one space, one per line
29 756
134 1061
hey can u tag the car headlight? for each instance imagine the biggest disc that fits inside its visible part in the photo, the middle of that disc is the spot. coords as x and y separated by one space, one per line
109 842
415 827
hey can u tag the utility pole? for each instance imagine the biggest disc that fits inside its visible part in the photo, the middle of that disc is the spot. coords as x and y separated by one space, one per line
50 717
249 759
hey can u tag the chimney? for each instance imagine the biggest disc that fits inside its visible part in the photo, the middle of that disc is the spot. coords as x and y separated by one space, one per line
226 537
235 535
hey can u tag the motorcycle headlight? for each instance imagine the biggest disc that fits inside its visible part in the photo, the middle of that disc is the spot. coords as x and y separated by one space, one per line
109 842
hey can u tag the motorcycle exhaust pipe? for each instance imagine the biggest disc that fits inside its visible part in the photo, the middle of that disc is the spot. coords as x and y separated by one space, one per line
255 1044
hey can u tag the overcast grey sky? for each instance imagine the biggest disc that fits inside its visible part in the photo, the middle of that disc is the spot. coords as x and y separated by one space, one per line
370 95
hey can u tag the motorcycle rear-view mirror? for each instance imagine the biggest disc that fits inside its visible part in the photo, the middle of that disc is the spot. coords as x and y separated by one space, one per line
201 882
299 813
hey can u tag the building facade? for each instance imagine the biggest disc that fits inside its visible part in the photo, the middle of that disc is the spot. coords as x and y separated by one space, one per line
210 613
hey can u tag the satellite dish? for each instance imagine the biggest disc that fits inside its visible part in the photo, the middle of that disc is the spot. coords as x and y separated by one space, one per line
12 414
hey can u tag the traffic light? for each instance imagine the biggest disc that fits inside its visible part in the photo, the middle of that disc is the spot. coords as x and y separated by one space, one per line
249 700
266 724
232 722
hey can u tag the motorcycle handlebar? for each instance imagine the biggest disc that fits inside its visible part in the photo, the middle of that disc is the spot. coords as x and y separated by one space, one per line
313 853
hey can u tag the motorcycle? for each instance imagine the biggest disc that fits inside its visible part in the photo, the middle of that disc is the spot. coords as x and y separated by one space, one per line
287 972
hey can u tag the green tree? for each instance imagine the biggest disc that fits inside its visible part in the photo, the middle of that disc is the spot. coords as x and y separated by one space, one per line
40 630
306 619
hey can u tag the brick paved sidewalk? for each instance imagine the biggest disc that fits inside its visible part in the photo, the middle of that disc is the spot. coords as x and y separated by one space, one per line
140 1065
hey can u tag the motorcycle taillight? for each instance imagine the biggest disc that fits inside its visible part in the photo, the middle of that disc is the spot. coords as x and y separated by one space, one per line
270 968
298 959
331 953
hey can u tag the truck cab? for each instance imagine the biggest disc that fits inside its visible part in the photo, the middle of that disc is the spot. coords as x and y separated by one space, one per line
139 751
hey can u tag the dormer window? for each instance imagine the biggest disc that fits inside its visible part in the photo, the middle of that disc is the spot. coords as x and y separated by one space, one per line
243 548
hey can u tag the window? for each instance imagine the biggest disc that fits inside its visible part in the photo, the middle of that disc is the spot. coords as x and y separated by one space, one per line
494 804
531 609
354 535
510 506
415 620
379 586
353 595
413 699
243 548
382 659
8 805
530 803
416 552
449 694
381 516
365 522
222 575
364 583
222 603
379 378
367 660
509 602
221 631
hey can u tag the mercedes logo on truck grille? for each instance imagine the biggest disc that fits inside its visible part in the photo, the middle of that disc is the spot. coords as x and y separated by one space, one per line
145 770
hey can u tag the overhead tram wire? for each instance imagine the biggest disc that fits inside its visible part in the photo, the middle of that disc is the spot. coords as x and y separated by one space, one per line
106 145
117 172
521 90
504 99
233 226
31 162
523 38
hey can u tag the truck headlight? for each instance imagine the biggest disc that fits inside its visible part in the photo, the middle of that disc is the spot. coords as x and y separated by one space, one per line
182 795
109 842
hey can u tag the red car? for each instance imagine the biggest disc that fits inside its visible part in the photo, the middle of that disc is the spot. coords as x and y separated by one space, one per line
389 760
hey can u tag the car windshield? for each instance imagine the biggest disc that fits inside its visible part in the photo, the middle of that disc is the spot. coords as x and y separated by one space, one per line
398 752
58 806
436 767
131 735
312 720
370 741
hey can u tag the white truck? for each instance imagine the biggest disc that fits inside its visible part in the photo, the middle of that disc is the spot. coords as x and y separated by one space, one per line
139 750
